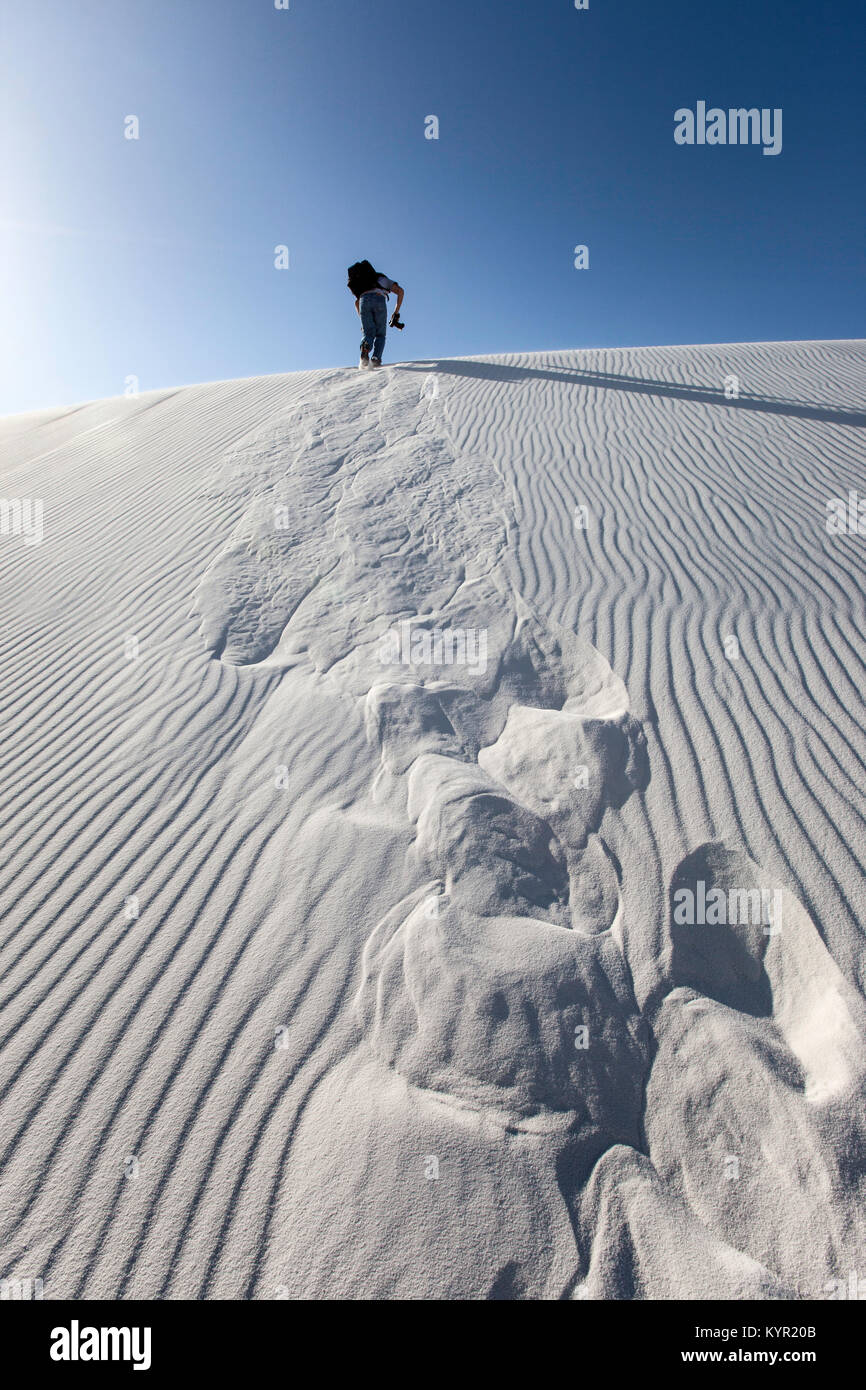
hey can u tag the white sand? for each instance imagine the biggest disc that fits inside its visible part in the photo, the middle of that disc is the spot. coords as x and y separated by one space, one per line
338 1050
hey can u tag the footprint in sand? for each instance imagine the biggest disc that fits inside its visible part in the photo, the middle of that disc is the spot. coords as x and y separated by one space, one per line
512 993
755 1099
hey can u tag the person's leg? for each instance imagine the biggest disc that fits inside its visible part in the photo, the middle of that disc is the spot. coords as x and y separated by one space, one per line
381 323
368 318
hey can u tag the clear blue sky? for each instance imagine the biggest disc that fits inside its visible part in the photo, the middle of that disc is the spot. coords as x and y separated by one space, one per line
305 127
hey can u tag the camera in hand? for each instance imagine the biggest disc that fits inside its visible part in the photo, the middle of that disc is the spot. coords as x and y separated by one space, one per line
395 321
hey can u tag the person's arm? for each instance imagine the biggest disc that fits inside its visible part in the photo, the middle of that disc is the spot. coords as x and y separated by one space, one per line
399 291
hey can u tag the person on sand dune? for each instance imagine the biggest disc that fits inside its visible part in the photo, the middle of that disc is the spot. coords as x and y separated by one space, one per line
371 291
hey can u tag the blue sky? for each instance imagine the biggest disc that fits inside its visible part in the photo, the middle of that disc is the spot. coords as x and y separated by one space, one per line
154 258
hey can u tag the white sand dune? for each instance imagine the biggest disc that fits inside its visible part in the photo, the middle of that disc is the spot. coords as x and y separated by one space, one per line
362 736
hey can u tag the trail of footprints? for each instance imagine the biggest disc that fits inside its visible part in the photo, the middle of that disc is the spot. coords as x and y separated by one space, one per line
703 1147
715 1127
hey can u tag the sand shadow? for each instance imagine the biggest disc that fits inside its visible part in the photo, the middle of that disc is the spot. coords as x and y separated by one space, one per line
646 386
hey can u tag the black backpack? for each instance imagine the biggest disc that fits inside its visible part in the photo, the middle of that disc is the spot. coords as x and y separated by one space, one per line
362 277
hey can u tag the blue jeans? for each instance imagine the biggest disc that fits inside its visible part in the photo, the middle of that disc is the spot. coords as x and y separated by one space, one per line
374 318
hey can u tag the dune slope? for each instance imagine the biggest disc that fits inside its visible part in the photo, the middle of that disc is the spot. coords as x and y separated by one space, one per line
433 824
